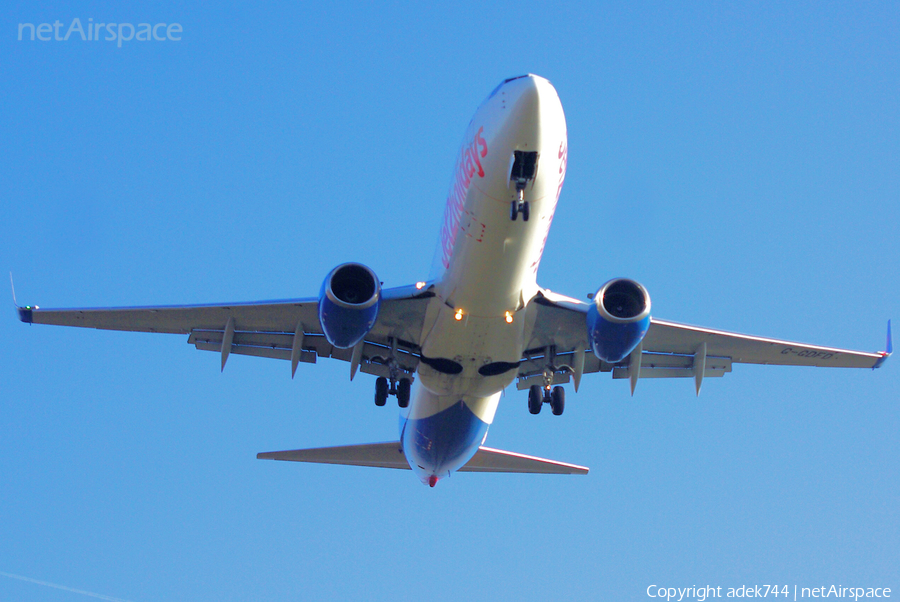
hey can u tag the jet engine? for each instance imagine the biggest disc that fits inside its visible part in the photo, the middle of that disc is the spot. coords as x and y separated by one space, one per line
618 319
348 304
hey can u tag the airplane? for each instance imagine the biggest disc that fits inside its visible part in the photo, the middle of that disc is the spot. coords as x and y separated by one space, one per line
447 347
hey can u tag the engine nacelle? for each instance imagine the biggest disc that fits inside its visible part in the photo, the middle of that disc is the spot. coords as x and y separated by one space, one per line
348 304
618 319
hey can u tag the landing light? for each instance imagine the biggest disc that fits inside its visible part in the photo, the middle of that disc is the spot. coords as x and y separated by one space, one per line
420 285
509 318
458 315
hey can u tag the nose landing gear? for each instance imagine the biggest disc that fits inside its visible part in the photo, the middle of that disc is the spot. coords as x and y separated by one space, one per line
523 168
520 205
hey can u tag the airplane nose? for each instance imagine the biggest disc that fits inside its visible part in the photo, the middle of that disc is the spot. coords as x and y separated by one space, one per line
526 91
528 96
532 100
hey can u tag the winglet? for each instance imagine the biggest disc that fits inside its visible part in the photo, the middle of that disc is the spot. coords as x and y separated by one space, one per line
25 314
889 349
890 343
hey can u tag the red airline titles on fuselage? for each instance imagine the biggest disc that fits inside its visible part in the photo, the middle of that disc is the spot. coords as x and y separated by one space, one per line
468 164
563 156
563 162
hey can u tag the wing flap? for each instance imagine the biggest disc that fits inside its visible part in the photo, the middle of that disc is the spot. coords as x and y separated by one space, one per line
670 365
653 365
279 345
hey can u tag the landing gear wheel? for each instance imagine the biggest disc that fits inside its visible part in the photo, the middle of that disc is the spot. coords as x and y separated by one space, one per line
535 399
558 401
517 207
403 388
381 391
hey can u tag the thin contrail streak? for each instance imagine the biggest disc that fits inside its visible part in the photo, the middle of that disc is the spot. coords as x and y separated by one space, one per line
63 587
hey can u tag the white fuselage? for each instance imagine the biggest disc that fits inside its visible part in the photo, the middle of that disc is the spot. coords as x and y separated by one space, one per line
485 274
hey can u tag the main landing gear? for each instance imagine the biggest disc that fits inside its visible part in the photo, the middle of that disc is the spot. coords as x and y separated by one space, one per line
538 396
401 388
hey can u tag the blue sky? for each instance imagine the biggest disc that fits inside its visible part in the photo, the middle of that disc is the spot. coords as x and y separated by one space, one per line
743 163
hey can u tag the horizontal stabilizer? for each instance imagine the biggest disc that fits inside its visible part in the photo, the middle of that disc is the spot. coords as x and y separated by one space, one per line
380 455
390 455
497 460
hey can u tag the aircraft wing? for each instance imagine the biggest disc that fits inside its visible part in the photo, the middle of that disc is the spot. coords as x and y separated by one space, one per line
287 330
669 350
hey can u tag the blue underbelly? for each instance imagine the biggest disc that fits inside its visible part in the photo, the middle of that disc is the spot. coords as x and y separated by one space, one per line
442 443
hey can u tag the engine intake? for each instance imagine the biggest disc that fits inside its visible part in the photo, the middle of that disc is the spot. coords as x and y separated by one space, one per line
348 304
618 319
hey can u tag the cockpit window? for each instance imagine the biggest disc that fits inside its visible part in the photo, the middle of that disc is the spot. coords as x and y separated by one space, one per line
504 82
